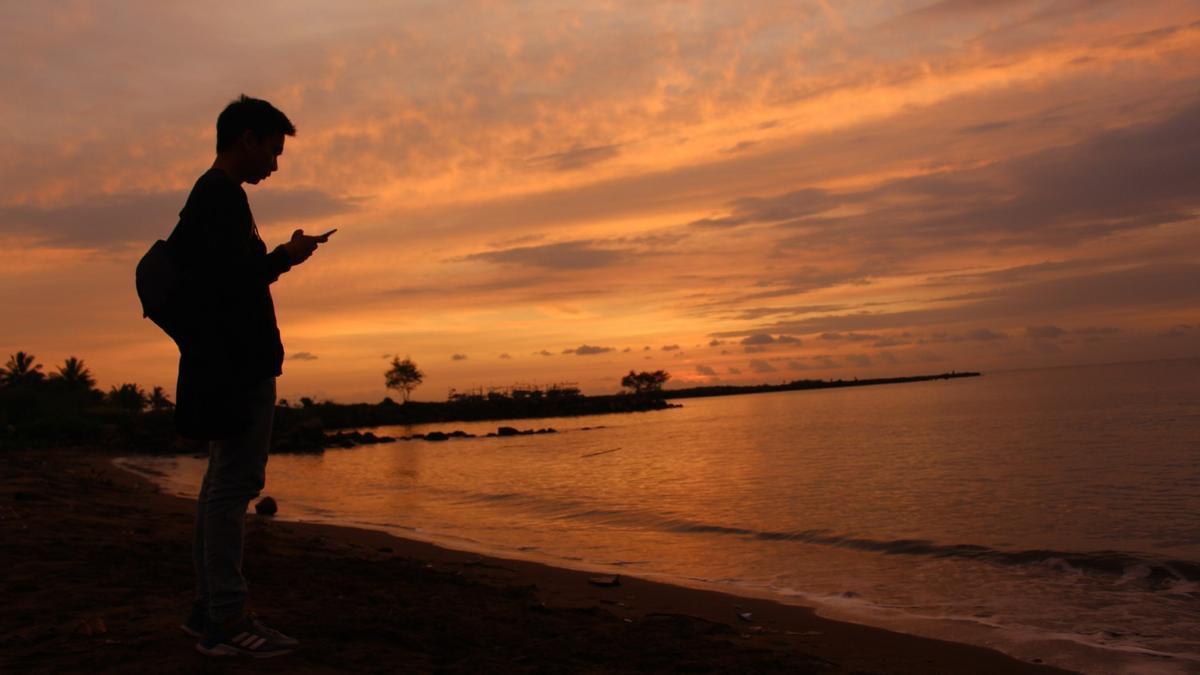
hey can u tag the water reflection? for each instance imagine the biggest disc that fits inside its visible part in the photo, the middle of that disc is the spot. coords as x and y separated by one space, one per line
1000 497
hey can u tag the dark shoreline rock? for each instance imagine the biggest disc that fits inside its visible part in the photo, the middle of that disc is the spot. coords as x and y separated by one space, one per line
266 507
310 440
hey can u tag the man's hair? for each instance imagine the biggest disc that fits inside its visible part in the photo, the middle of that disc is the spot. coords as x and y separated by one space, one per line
254 114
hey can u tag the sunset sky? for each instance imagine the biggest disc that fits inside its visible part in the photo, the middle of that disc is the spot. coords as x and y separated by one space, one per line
563 191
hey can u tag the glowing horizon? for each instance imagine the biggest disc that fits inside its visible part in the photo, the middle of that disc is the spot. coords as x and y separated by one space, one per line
830 189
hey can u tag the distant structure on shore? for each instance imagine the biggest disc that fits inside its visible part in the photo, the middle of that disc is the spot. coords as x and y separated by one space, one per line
519 392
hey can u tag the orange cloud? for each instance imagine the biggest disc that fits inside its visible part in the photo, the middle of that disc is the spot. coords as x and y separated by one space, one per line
621 176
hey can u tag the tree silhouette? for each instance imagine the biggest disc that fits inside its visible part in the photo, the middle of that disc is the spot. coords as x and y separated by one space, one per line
128 397
645 382
403 376
159 401
21 369
74 373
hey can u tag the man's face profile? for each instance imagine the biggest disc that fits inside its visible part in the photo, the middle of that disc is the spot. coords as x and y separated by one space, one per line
262 156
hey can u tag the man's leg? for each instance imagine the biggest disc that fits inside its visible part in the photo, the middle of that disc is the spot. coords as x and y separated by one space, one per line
236 474
197 621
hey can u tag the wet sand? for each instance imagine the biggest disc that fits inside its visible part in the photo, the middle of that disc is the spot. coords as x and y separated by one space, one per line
97 577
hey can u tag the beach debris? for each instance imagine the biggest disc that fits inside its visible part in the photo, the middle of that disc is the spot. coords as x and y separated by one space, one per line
602 452
266 507
436 436
605 581
746 616
507 431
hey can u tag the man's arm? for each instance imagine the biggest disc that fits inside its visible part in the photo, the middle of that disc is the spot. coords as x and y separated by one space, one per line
301 246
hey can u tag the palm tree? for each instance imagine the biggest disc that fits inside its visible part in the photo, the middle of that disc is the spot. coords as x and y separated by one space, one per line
159 400
73 372
21 368
128 397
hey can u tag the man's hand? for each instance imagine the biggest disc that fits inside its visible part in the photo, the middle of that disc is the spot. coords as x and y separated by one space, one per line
302 246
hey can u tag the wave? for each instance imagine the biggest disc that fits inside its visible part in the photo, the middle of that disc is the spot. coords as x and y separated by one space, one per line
1123 567
1162 573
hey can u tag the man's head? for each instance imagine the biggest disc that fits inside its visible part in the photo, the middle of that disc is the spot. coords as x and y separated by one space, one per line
250 135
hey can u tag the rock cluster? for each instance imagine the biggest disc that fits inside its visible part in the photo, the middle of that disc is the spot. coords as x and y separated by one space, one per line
309 438
502 431
349 439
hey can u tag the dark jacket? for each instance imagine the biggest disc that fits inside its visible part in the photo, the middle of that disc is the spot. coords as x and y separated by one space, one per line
229 336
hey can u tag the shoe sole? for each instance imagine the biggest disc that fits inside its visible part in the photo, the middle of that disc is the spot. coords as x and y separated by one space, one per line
225 650
200 636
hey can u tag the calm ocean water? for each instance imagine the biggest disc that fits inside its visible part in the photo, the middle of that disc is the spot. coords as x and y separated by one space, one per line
1052 514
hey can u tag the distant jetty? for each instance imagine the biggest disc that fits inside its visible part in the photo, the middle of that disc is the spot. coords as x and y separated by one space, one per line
798 385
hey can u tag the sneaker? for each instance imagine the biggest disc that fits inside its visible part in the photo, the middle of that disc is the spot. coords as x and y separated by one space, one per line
246 637
283 639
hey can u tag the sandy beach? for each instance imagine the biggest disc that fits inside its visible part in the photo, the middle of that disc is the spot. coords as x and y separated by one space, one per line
98 577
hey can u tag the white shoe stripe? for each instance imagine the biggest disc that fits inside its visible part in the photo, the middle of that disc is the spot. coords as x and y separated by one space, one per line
249 639
258 643
237 640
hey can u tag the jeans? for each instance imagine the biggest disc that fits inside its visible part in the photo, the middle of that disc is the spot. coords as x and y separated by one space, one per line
237 471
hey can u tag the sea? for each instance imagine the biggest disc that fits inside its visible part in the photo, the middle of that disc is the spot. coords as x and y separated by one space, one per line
1051 514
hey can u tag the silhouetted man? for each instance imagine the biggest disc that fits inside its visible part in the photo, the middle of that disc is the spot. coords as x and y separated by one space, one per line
230 355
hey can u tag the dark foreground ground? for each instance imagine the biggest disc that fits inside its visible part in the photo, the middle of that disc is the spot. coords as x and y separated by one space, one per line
96 578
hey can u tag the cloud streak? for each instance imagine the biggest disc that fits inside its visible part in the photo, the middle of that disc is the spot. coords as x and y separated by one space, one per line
108 220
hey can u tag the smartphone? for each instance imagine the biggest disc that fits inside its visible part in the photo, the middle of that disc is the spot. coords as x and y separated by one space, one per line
326 235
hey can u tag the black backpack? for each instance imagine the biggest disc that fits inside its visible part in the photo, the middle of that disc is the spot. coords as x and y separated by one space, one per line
210 403
159 286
